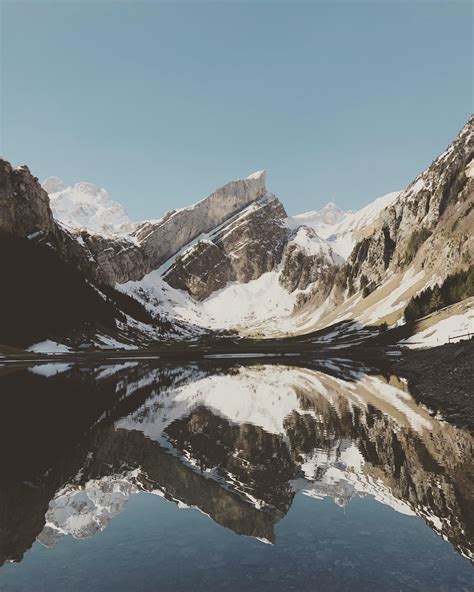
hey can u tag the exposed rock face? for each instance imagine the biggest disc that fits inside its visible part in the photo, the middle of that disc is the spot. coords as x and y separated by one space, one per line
250 244
308 260
301 270
25 208
24 205
372 255
116 260
254 242
205 270
25 211
152 243
431 223
163 238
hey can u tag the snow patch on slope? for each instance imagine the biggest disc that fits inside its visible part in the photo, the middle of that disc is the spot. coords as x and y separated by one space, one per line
48 347
313 245
259 301
440 333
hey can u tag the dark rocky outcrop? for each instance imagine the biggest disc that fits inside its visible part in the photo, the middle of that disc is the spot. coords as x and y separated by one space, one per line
205 270
24 205
300 270
250 244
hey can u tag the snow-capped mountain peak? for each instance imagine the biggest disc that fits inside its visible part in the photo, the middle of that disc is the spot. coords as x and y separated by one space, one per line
85 205
342 229
53 185
329 215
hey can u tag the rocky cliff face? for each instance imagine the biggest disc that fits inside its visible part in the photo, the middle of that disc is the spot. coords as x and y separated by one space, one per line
152 243
165 237
26 212
431 223
404 242
248 245
308 260
24 205
26 208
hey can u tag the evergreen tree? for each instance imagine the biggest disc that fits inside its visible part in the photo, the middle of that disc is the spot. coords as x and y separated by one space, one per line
436 300
456 287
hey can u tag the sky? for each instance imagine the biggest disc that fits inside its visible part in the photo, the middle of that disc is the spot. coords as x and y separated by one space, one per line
163 102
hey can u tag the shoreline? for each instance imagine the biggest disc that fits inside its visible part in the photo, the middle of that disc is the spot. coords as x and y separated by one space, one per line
442 378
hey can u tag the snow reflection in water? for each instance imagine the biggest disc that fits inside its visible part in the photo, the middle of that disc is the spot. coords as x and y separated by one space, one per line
238 442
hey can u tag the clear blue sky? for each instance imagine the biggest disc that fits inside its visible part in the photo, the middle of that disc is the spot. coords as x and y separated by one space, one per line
160 103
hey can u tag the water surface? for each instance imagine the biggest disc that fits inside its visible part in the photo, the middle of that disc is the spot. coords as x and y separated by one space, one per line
223 475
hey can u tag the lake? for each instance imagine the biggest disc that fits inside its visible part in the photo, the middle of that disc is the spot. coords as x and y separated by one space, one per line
229 474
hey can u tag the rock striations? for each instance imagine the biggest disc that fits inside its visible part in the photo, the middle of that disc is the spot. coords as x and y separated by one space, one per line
242 249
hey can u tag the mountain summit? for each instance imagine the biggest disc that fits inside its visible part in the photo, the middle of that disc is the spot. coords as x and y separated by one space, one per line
329 215
84 205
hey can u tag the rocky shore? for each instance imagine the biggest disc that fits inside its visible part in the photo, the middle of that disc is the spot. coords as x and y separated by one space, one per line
443 379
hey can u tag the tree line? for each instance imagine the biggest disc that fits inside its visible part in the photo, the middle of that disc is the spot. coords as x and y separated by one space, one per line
456 287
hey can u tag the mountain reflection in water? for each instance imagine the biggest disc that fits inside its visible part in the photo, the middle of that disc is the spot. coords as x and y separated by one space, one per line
237 442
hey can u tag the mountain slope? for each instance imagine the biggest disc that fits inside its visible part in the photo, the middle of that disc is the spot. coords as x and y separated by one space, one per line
426 233
344 235
248 245
43 297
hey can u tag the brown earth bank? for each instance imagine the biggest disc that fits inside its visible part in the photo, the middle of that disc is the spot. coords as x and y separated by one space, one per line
443 379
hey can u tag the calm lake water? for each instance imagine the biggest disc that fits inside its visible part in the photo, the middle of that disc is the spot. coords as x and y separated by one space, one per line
226 475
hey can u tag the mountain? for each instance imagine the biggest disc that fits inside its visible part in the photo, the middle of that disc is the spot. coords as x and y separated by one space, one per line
84 205
329 215
342 229
419 238
236 260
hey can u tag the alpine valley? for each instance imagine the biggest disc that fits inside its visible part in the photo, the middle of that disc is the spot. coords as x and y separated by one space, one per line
76 270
